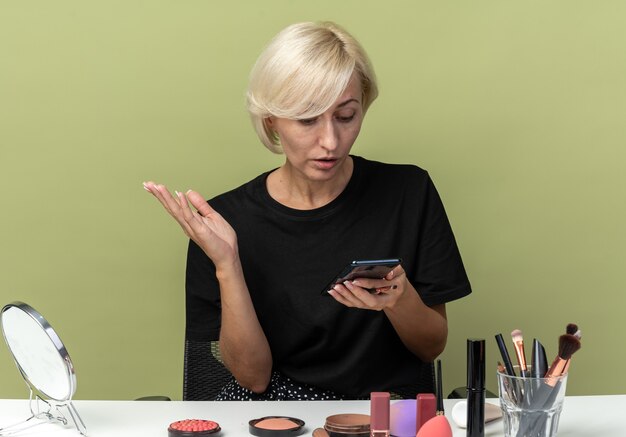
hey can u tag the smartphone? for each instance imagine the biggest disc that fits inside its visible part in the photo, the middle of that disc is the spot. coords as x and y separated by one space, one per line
372 268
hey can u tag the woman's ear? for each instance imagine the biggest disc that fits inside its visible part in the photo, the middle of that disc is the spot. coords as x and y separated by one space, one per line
269 121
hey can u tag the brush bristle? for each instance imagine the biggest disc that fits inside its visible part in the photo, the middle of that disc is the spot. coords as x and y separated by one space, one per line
571 328
568 345
516 334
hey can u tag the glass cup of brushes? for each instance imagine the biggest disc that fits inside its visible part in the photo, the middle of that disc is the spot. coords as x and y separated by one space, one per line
531 406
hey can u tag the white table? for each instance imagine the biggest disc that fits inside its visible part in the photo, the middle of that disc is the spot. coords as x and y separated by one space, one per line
582 416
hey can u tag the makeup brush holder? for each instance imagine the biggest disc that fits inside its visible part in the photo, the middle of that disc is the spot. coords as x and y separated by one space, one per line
531 407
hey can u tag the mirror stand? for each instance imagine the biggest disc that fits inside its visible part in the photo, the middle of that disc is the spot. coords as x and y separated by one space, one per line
44 411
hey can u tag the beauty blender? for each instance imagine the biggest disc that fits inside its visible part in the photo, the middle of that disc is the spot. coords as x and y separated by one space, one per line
438 426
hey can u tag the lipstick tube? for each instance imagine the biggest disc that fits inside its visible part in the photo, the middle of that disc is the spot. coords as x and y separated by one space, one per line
379 414
475 387
426 409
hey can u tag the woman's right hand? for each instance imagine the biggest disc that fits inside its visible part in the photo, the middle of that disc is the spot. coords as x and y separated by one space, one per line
206 227
244 346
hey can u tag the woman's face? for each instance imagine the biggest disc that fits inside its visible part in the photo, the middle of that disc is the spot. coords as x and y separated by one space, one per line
318 148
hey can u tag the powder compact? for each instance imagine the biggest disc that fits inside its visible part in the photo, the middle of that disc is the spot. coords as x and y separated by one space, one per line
275 426
193 428
348 425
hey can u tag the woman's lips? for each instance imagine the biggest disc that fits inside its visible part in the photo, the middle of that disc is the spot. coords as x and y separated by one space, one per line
326 164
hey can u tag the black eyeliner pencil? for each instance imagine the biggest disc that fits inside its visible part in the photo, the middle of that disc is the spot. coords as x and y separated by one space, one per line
506 358
439 389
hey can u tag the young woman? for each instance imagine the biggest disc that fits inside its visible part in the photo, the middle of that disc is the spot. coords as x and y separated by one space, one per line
261 254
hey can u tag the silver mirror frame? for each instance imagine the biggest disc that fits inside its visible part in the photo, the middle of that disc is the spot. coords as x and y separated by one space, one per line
42 406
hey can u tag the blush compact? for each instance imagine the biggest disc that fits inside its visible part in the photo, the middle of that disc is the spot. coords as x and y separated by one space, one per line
193 428
275 426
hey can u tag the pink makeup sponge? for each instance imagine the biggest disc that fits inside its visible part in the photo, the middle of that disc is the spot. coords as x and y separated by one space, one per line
438 426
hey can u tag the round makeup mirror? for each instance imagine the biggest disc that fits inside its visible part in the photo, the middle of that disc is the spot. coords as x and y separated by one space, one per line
44 363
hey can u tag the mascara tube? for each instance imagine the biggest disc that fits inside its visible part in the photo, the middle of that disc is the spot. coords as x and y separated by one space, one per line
475 387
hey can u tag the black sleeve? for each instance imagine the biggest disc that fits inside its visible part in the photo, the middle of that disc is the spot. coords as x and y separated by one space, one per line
202 297
440 275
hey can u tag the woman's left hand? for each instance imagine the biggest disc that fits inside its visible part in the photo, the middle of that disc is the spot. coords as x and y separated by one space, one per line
422 329
372 294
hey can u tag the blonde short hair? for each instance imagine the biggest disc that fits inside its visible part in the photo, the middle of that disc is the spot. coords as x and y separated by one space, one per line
302 72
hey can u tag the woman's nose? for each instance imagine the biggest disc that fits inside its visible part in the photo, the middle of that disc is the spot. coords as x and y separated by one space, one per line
329 135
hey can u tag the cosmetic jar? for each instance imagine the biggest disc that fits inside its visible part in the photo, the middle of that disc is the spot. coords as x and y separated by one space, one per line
275 426
348 425
193 428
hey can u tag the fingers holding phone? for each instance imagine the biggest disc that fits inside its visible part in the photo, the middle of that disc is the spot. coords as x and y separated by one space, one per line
371 293
374 268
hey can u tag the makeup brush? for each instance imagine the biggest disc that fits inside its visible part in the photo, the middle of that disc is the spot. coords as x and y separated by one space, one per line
439 390
508 365
538 360
508 386
568 345
578 334
548 390
518 341
571 328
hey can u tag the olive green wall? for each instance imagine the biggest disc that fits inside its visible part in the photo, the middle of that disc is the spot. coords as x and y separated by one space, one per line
517 109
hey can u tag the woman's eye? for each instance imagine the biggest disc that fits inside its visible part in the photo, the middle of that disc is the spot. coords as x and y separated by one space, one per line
307 121
345 119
